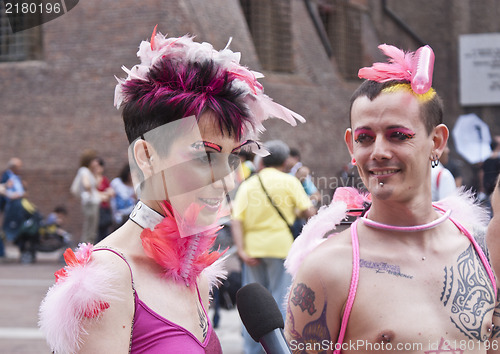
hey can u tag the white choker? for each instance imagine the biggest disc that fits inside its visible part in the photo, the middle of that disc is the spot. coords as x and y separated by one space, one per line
144 216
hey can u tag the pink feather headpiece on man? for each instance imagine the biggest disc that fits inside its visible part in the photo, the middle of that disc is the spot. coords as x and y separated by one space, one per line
413 67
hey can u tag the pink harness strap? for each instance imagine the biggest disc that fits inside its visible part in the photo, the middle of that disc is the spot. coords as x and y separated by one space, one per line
352 288
355 275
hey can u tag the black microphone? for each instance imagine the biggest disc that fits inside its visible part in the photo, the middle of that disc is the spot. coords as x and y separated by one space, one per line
262 318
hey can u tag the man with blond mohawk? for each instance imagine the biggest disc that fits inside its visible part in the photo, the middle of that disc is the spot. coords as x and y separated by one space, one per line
408 276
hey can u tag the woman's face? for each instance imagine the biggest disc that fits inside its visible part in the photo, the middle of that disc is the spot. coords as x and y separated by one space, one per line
199 170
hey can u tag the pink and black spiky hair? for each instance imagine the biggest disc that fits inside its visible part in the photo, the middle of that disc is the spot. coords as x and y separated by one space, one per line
178 77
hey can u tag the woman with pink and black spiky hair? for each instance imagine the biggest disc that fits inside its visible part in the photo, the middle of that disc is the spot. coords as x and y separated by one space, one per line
188 110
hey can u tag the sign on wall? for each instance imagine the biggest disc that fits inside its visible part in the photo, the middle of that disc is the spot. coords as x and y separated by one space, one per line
479 69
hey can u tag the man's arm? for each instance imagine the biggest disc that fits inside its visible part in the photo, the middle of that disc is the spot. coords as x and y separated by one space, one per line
311 322
492 345
238 239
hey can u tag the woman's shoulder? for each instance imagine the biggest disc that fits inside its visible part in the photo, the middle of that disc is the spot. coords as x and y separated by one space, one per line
91 282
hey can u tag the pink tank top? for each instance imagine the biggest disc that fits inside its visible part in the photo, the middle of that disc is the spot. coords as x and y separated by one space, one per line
154 334
355 276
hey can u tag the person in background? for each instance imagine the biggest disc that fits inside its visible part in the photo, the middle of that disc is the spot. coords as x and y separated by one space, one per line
247 165
293 162
304 176
106 193
490 169
14 192
264 209
84 187
124 198
442 181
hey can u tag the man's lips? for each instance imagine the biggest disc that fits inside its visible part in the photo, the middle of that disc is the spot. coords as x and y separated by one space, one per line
385 172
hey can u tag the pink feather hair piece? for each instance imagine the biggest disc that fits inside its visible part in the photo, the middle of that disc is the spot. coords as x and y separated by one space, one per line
83 290
414 67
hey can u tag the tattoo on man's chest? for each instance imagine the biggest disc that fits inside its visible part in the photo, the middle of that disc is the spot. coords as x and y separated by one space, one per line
468 295
385 268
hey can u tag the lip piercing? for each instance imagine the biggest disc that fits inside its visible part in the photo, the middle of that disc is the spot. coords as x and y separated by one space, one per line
381 184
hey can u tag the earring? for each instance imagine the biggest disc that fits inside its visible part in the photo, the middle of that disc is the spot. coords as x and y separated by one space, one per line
435 161
353 161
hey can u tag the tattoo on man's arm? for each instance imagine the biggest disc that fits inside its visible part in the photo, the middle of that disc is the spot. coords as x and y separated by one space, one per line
495 331
469 296
315 331
304 297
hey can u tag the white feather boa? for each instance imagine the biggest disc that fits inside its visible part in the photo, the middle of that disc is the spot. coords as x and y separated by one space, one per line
313 233
463 205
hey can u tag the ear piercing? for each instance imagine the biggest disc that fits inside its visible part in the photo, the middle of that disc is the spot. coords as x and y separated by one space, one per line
435 161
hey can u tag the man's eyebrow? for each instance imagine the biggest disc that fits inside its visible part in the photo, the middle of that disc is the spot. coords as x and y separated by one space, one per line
362 128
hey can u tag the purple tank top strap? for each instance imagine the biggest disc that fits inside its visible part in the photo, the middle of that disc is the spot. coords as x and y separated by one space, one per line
352 288
119 255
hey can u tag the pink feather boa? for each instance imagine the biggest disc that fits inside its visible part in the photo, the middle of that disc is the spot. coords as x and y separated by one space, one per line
182 258
82 290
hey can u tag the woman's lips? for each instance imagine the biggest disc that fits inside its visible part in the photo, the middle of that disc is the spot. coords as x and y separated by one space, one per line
211 203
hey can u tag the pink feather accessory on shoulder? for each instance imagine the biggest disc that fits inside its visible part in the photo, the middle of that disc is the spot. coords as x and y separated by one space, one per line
82 291
414 67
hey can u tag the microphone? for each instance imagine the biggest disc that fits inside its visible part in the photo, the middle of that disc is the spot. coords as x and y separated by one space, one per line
262 318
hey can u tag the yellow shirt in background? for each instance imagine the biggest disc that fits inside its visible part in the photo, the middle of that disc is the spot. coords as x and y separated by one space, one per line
265 233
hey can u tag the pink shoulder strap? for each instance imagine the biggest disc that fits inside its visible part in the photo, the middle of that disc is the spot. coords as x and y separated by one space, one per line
352 288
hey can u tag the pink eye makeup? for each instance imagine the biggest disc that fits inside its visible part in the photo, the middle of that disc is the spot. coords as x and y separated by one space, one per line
206 144
400 133
245 143
362 135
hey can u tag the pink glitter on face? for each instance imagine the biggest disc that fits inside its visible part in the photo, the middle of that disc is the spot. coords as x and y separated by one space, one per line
362 135
399 133
365 135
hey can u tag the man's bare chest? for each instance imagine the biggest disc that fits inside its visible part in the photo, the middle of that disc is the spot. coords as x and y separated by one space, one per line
424 301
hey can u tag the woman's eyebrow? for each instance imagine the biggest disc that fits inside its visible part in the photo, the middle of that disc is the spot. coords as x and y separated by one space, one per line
207 144
246 142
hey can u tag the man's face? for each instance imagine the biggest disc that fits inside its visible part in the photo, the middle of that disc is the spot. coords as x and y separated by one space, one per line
390 144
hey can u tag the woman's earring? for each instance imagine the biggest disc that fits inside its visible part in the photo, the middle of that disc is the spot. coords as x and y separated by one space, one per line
353 161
